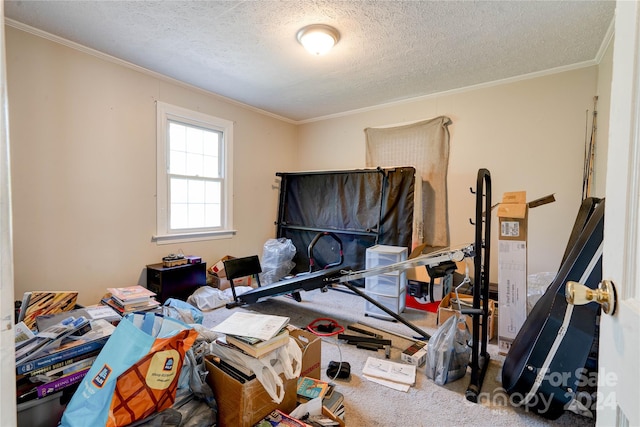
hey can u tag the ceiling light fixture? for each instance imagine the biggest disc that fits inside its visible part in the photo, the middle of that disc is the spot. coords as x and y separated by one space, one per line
318 38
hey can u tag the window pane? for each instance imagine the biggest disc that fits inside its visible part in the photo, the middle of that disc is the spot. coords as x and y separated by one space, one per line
196 191
211 167
212 215
179 190
194 165
179 216
211 143
213 193
196 215
177 136
177 162
194 140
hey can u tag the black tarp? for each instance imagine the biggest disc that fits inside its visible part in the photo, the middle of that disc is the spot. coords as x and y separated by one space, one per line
361 207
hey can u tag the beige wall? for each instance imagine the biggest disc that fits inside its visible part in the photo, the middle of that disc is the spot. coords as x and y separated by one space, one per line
82 133
529 134
605 74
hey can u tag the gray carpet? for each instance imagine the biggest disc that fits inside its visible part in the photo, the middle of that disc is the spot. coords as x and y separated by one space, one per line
426 403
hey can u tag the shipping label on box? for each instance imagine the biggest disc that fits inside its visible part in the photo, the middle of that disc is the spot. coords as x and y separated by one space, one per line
512 291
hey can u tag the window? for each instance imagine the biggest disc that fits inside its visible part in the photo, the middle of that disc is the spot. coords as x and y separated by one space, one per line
194 183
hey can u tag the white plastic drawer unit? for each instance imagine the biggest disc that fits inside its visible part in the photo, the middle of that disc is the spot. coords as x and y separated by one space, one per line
387 289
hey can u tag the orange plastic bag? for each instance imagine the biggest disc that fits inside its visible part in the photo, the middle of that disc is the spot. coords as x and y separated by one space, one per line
135 374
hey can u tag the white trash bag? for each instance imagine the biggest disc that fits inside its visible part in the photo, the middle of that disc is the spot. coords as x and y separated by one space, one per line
448 351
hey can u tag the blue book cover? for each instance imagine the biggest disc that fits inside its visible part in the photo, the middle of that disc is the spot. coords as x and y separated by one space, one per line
60 355
72 347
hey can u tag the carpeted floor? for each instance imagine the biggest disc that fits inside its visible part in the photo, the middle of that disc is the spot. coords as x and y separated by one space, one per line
425 404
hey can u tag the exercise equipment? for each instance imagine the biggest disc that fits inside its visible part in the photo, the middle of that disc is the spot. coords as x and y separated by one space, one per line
480 310
479 250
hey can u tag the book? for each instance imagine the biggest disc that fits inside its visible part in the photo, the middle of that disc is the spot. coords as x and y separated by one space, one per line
222 341
278 418
261 326
39 303
244 370
62 366
390 371
129 294
334 401
310 388
147 305
259 348
231 370
50 338
71 347
23 306
134 305
61 383
23 333
59 356
91 312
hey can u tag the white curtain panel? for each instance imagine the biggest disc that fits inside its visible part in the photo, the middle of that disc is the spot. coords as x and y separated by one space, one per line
425 146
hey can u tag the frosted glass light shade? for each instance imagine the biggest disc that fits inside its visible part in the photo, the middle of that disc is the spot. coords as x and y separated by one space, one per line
318 39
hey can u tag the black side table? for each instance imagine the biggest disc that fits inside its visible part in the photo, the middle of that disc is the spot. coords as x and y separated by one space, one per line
175 282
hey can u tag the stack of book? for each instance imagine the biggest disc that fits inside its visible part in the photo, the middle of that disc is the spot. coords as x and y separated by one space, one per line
252 334
59 356
131 299
333 401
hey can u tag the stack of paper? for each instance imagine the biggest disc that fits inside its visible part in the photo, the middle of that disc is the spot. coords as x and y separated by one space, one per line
254 325
399 376
252 334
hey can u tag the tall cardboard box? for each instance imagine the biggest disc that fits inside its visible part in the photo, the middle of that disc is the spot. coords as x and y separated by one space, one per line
513 214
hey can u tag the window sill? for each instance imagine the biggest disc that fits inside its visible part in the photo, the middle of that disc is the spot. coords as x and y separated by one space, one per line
165 239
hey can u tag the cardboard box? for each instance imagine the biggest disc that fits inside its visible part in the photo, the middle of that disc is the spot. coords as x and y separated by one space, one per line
222 283
513 214
218 267
415 354
446 310
243 405
418 277
311 346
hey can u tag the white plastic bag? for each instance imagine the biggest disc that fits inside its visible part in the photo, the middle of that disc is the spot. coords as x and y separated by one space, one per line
277 256
286 359
537 284
448 352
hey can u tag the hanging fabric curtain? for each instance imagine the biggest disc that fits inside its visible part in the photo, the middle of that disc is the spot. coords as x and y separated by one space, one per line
425 146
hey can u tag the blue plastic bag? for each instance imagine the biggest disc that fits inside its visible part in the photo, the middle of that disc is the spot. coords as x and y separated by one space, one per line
135 374
180 305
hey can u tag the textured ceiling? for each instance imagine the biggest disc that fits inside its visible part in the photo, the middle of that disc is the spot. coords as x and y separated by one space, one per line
389 50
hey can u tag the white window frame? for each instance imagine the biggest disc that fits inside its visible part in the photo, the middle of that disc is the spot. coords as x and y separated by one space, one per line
164 234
